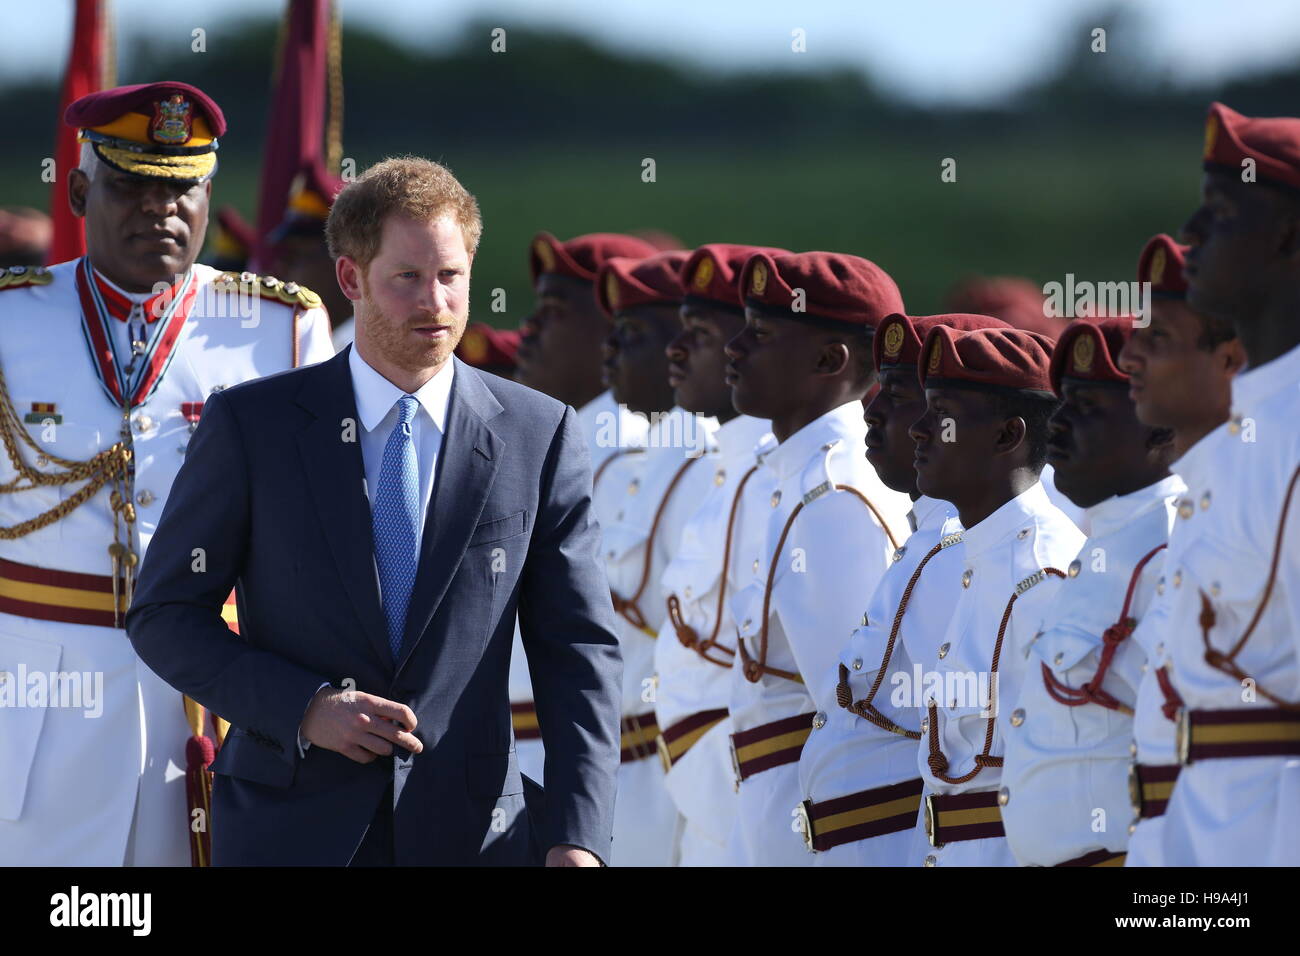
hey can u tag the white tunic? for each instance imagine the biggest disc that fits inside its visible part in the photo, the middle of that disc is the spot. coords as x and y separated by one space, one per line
701 782
835 552
72 785
1241 811
851 753
1005 551
1066 767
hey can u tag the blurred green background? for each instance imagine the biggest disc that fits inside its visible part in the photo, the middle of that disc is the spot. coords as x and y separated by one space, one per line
1073 175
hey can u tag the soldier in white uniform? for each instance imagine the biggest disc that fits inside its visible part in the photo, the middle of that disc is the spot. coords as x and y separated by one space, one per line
858 772
815 535
105 362
981 445
1235 617
692 658
1180 367
1067 748
650 495
560 354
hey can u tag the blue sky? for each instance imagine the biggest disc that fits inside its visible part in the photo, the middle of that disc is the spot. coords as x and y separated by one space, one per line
929 51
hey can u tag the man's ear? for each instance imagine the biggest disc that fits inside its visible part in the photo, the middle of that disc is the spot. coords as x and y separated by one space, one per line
78 186
1232 355
348 274
833 358
1011 435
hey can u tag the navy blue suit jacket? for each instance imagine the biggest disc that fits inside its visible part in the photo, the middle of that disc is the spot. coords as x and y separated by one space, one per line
271 501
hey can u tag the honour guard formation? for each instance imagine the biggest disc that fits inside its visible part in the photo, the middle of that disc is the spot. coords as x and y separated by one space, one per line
889 589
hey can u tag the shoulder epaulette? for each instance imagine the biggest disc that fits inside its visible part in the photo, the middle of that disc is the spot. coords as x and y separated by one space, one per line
250 283
17 276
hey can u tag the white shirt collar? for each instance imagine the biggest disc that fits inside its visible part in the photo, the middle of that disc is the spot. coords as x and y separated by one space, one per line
793 454
1117 511
1256 384
930 513
376 395
738 437
1200 461
1007 520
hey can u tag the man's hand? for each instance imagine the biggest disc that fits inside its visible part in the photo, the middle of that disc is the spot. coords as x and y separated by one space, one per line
563 855
359 726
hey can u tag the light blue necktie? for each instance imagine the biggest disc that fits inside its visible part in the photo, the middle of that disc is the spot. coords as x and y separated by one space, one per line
396 519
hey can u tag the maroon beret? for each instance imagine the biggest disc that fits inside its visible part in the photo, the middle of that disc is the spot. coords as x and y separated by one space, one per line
712 272
1161 264
1273 142
898 338
837 289
655 280
485 347
582 256
1014 300
1089 349
987 360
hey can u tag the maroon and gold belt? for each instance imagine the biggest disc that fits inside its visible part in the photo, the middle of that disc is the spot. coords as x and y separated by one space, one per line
861 815
769 745
1244 732
683 735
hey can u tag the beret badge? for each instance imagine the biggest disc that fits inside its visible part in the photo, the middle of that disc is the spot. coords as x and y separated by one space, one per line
893 340
1158 265
936 351
1085 350
1211 134
703 275
544 255
758 279
611 290
172 120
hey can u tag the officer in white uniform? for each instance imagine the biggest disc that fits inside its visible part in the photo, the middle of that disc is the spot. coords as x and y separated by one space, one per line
989 393
815 535
1180 367
858 772
1067 750
643 500
1235 619
692 658
102 386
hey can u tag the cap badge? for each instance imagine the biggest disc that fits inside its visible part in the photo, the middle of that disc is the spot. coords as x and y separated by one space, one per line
758 279
1211 134
936 351
1158 265
703 274
545 255
172 119
611 291
893 340
1085 350
474 347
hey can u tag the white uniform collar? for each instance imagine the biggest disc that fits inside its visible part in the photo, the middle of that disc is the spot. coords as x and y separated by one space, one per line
738 438
1109 516
929 513
1007 520
376 395
1256 384
845 423
1200 461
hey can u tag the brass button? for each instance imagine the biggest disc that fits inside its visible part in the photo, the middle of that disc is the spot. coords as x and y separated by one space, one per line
899 552
1215 589
1160 586
1059 659
864 618
829 445
776 498
1022 532
719 477
943 649
142 423
634 486
687 591
1132 828
1017 717
746 625
931 860
756 565
819 720
857 663
145 497
1074 568
1234 425
1178 578
1133 749
925 725
966 578
1004 797
1185 508
1205 501
1143 668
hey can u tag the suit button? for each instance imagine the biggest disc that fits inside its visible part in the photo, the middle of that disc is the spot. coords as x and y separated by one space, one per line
1132 828
966 578
1178 578
755 565
857 663
819 720
145 497
1017 717
634 486
1021 534
1185 508
1059 659
1074 568
745 626
719 477
1133 749
925 725
776 498
1205 501
898 555
1004 797
864 618
943 649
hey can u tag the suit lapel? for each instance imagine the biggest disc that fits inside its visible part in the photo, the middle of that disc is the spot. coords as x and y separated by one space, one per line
467 465
336 476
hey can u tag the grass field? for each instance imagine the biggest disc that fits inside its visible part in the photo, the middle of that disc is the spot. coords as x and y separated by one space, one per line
1035 207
